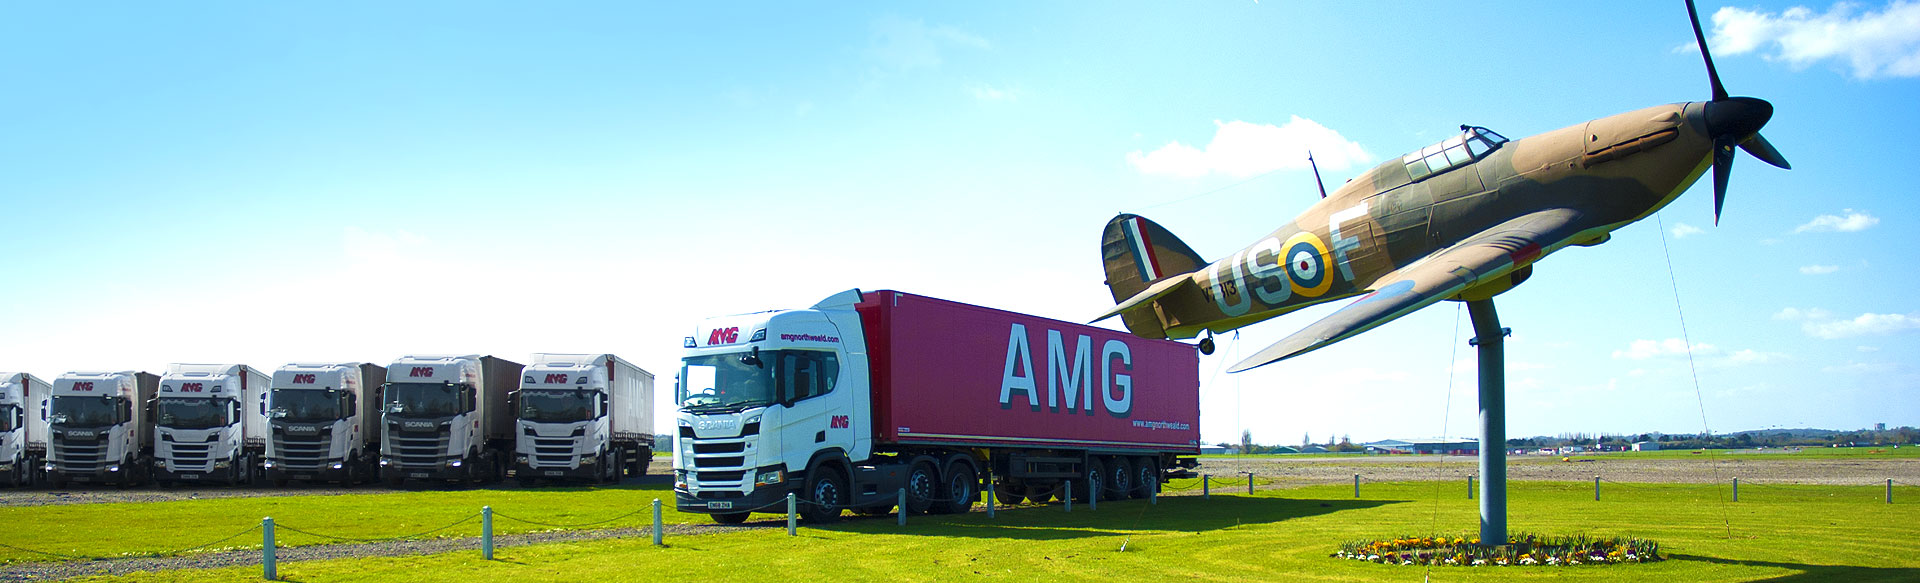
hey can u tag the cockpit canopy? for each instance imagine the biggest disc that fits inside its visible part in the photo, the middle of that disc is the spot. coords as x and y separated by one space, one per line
1473 143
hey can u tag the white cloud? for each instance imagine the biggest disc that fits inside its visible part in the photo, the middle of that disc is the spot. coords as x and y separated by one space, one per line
1863 325
1871 44
902 44
1750 356
1799 314
990 93
1867 348
1645 349
1818 269
1241 148
1853 221
1857 367
1681 230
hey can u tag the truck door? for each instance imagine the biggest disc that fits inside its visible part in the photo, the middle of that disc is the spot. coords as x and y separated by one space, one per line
815 418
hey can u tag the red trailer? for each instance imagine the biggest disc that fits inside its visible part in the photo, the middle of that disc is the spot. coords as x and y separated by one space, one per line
862 396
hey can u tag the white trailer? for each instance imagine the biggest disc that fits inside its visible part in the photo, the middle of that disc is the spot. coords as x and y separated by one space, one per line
99 428
23 427
210 424
324 419
582 416
446 418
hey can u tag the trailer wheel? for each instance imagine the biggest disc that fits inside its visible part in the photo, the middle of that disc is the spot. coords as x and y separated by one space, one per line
637 464
1147 479
1120 480
923 485
826 495
1091 481
961 491
731 517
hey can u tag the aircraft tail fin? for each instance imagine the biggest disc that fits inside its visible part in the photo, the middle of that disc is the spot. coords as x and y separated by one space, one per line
1138 253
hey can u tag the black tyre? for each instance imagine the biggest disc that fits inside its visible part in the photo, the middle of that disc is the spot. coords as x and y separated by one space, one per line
961 489
1119 479
923 488
1146 477
825 497
731 517
637 465
1091 482
610 469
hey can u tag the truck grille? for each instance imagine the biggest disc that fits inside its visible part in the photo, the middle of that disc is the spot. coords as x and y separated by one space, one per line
189 455
301 452
551 451
719 462
707 477
700 448
423 451
80 455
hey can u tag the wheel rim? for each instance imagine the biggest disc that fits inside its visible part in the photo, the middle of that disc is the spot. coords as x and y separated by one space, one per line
962 488
826 494
920 486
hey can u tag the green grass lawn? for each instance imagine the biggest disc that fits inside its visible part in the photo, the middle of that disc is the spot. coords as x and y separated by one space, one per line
1780 533
100 530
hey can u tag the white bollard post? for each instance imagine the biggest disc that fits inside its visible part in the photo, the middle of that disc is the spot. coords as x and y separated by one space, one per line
267 567
486 533
902 508
1067 495
1205 493
991 502
657 535
790 509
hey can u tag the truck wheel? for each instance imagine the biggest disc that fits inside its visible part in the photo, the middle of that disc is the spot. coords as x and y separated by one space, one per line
637 466
1004 494
923 488
1147 477
1119 480
1090 482
961 491
826 495
731 517
610 467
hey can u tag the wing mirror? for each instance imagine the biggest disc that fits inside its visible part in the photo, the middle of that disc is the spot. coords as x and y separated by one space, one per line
753 359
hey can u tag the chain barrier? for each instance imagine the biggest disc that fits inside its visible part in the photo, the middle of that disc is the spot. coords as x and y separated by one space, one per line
469 518
498 514
1633 486
150 555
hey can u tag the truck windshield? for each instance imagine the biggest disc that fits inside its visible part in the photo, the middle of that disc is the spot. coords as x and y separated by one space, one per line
556 406
83 411
723 381
425 399
305 404
192 413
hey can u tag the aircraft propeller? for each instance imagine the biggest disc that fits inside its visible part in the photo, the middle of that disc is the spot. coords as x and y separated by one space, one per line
1732 121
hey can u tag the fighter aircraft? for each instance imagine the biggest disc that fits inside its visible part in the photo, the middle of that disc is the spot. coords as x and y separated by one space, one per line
1463 219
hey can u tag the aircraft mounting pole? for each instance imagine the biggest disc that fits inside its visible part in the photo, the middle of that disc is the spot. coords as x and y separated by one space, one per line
1489 338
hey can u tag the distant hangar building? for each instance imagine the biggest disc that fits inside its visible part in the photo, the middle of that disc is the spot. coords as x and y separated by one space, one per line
1425 446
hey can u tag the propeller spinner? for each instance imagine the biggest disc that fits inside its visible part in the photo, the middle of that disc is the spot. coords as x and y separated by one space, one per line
1732 121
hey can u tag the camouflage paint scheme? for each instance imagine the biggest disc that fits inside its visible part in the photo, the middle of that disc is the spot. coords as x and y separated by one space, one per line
1468 232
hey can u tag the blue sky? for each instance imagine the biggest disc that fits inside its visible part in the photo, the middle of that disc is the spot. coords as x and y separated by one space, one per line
266 183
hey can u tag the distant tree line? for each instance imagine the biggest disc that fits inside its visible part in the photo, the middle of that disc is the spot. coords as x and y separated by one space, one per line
1739 439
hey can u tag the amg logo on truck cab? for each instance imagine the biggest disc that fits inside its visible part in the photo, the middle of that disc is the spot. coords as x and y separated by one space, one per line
1074 379
556 379
727 335
192 388
83 386
840 422
420 371
304 379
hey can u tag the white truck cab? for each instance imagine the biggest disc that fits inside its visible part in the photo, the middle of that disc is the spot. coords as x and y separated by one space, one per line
209 424
98 427
23 427
582 417
761 396
445 417
321 416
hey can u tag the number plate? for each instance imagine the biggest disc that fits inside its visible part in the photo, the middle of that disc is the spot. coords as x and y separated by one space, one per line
417 475
555 473
720 506
302 476
189 476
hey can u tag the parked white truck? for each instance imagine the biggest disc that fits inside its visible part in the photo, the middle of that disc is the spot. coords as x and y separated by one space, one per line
582 416
23 427
324 422
210 424
446 418
99 428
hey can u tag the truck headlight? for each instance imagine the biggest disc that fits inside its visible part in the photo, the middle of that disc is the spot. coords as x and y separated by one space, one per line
769 478
221 465
113 468
588 460
162 464
453 464
50 467
267 464
384 462
521 459
338 465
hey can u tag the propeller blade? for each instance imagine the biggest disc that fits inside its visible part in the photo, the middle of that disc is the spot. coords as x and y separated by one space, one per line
1762 149
1719 91
1722 169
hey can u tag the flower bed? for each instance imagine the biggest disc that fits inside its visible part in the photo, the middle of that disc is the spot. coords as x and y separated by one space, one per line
1521 549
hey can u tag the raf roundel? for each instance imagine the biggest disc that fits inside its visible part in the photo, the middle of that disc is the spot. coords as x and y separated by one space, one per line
1307 265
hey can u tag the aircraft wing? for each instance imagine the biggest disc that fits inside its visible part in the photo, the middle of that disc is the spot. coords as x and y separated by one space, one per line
1444 274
